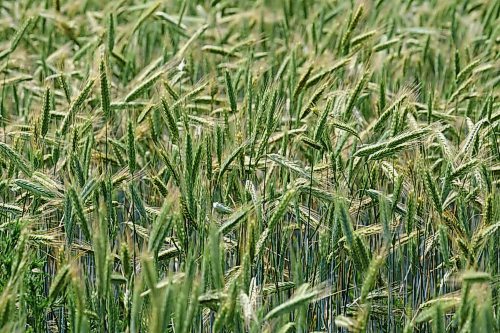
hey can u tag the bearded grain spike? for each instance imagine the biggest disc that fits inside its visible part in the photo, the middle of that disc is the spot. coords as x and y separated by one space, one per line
230 92
10 155
104 82
20 33
77 204
76 105
131 147
46 112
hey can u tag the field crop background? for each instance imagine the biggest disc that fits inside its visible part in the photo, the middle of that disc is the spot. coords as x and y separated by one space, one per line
249 166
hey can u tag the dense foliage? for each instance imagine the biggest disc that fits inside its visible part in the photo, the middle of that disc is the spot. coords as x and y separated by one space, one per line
249 166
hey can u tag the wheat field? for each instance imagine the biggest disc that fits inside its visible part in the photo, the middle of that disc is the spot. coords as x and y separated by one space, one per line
249 166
